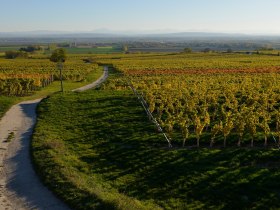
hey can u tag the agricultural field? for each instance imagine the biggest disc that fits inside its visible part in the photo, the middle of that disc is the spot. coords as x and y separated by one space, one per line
9 48
70 50
22 76
99 149
95 50
193 63
35 77
212 97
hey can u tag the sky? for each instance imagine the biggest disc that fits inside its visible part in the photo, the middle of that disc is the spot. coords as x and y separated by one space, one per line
230 16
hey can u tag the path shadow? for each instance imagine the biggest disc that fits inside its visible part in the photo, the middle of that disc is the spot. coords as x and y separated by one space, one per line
22 181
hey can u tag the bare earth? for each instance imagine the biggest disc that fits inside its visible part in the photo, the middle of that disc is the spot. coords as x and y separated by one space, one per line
20 188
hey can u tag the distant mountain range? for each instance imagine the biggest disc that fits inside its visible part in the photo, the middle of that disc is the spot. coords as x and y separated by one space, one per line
109 33
109 36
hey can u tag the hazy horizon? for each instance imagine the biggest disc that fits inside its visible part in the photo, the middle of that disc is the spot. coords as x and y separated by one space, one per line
216 16
133 32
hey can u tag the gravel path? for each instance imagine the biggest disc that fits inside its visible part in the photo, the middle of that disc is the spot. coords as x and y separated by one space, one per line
20 188
96 83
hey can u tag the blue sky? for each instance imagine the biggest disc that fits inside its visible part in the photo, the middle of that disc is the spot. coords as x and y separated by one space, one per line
247 16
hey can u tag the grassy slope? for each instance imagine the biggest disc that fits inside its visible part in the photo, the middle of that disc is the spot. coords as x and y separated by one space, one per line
92 145
6 102
67 145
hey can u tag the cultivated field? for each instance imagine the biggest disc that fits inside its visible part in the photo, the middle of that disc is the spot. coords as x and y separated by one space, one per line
35 77
210 96
99 149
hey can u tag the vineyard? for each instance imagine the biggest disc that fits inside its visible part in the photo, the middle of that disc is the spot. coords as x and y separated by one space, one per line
97 150
21 77
217 99
196 63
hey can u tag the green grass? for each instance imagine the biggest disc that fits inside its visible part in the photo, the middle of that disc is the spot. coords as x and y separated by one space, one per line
65 145
7 101
97 150
67 85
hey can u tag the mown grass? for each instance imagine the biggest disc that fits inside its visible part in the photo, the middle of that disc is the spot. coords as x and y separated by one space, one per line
97 150
64 145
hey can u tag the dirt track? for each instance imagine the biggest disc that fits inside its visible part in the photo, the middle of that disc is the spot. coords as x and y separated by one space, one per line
20 188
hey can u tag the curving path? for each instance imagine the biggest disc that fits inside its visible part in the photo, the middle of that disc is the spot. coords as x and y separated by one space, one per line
96 83
20 188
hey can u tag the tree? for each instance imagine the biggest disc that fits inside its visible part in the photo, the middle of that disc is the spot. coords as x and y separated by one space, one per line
59 56
187 50
11 54
206 50
52 47
229 50
30 48
15 54
125 49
